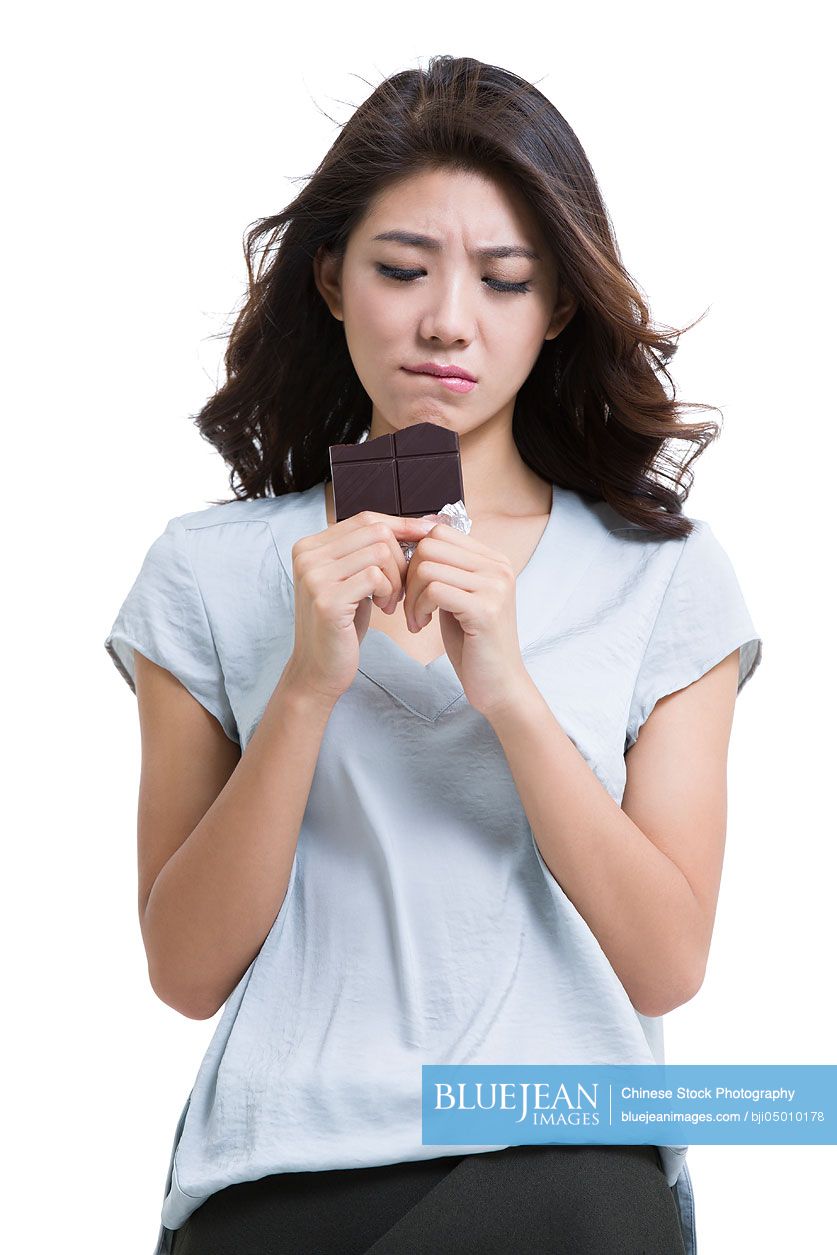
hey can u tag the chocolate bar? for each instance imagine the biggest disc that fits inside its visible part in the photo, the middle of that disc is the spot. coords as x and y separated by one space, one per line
410 472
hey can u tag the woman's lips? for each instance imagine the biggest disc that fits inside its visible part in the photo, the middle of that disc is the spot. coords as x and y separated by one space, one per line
452 382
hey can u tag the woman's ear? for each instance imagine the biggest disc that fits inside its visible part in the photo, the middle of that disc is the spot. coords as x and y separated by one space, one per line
327 268
565 308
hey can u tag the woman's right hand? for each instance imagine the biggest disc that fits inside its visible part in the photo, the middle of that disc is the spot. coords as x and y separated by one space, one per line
335 572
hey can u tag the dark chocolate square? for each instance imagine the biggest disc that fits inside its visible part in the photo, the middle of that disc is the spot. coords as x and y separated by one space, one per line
409 473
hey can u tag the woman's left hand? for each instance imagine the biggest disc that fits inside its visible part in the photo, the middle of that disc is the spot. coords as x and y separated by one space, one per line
474 589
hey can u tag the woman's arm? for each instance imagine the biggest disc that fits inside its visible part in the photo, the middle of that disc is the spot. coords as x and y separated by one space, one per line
216 859
645 876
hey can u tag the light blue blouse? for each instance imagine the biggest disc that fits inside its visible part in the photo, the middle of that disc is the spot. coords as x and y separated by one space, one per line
421 924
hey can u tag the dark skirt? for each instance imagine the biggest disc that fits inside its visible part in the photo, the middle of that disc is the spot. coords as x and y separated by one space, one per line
554 1200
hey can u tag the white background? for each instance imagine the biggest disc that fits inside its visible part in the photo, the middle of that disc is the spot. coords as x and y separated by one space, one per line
140 143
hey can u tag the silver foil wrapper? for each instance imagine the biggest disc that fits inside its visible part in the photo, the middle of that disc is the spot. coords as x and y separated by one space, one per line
454 514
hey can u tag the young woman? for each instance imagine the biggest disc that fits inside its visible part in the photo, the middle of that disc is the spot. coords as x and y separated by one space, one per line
468 808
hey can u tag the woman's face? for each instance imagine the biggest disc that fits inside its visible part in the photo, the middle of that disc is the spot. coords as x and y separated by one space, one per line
488 315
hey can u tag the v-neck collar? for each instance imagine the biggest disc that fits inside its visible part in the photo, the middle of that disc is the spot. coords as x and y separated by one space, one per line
574 532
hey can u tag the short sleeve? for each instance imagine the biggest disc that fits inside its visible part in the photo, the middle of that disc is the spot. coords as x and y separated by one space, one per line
701 619
164 617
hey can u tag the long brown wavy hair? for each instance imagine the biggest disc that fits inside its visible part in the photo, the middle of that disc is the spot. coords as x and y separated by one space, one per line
597 413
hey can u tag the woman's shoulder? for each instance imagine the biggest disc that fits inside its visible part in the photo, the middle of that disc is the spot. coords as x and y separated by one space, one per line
654 550
622 540
636 559
240 541
268 516
239 511
630 532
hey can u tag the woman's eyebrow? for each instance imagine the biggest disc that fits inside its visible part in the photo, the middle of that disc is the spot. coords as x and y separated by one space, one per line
426 241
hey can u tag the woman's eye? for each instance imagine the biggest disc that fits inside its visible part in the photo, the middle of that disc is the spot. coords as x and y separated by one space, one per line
404 276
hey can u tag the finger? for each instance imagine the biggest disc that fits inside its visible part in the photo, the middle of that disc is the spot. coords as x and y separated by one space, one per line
335 537
465 541
390 528
475 561
395 568
419 603
369 582
400 525
381 554
442 595
436 547
351 534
